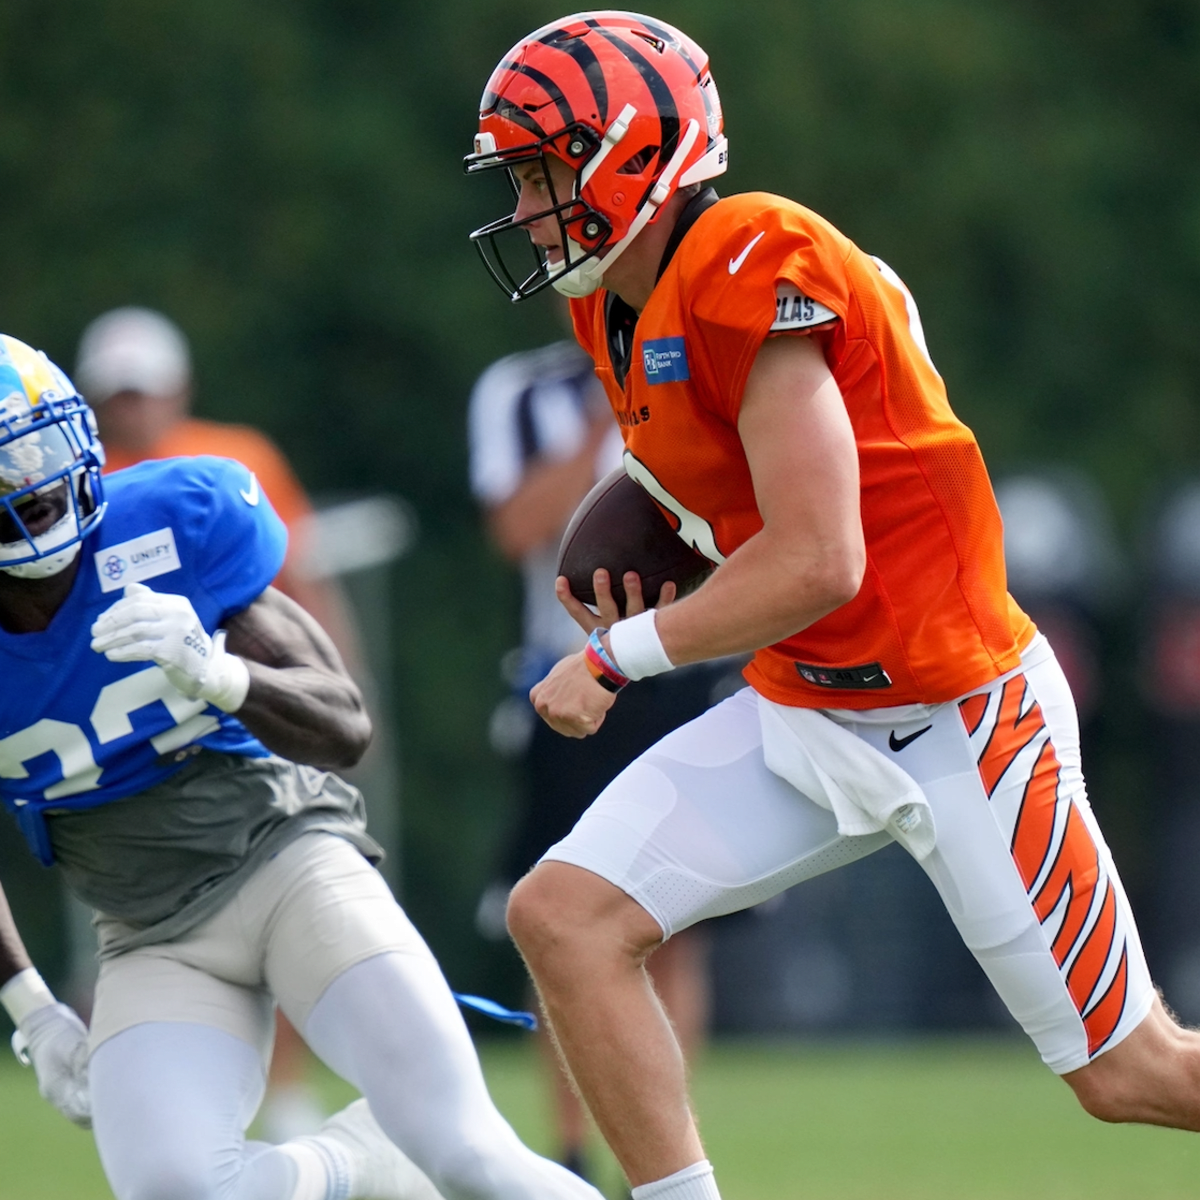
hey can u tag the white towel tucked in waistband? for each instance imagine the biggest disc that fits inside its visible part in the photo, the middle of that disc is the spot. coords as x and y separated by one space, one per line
839 771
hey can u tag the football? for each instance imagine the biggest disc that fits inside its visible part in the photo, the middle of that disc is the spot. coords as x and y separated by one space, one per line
619 527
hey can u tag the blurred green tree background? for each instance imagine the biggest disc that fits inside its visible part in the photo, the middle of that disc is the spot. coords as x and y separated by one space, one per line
284 180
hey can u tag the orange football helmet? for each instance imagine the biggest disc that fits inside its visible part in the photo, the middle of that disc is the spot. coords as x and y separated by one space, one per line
629 104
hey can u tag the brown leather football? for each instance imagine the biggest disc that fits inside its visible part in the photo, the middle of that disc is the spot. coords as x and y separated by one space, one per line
619 527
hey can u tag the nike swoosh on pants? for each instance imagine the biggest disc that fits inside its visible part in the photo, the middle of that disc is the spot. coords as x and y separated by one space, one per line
899 743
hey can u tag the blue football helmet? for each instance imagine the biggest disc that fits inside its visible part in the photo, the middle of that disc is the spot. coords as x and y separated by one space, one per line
51 495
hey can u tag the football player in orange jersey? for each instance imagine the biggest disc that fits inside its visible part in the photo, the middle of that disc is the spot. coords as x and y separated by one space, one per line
776 395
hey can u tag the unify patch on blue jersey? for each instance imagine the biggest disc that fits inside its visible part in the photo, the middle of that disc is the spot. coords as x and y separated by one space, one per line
137 560
665 360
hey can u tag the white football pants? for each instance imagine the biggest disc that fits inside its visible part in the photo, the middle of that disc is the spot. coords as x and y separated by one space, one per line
699 826
171 1101
177 1083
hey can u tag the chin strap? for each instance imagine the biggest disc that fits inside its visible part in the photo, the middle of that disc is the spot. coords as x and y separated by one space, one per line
47 565
584 279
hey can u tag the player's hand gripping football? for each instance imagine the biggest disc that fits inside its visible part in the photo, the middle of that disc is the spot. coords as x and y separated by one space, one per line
569 699
54 1041
161 627
609 610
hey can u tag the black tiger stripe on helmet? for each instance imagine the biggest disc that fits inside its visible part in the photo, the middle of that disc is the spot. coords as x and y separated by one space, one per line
670 37
589 64
660 90
523 116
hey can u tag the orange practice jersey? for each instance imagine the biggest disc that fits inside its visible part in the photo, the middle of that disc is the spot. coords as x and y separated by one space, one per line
933 618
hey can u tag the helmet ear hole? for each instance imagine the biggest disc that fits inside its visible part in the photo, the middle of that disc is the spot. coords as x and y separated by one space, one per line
635 164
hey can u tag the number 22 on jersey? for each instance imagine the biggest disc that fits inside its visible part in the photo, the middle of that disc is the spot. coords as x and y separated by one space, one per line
109 721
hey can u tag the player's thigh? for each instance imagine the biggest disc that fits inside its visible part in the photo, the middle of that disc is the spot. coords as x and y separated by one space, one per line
698 826
1022 866
162 984
324 909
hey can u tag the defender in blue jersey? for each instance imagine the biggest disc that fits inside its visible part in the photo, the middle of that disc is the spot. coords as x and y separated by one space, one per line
168 728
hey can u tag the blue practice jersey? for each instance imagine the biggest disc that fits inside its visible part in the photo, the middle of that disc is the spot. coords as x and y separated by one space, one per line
77 730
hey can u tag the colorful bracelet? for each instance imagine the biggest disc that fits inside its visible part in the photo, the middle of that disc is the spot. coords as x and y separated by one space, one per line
604 671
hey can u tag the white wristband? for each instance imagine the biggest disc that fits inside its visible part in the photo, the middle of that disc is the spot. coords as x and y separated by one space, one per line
228 678
636 647
24 994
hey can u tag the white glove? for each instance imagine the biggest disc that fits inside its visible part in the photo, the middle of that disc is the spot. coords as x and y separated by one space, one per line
162 627
54 1040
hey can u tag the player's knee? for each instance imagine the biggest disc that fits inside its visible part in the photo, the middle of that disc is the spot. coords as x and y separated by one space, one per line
559 912
1152 1076
171 1180
1117 1091
461 1167
535 922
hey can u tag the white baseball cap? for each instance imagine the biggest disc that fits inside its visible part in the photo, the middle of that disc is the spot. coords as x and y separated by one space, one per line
135 350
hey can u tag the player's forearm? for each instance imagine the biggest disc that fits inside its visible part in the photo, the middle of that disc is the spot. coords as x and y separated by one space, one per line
307 715
766 592
49 1034
13 956
809 556
301 702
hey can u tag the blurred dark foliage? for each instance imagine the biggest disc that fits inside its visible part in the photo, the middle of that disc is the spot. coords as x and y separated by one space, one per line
284 180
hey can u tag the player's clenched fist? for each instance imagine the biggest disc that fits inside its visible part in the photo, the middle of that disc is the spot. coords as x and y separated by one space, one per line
52 1039
570 700
161 627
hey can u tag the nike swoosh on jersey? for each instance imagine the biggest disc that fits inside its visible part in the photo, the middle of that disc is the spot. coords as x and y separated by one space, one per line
735 264
251 496
899 743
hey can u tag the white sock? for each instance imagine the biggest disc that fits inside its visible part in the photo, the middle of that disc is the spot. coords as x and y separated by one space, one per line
322 1172
696 1182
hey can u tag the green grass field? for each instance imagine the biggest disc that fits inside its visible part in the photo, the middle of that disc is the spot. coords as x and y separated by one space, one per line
921 1120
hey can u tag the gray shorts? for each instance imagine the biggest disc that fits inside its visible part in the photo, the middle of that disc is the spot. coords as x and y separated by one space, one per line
303 917
164 860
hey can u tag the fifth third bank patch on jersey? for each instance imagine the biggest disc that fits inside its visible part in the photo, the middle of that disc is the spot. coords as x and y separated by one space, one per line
795 310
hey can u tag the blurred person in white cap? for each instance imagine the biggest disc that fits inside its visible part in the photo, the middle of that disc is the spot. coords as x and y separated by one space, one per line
137 364
134 366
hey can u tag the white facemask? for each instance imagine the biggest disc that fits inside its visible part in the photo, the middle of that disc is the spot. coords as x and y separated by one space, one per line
64 530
